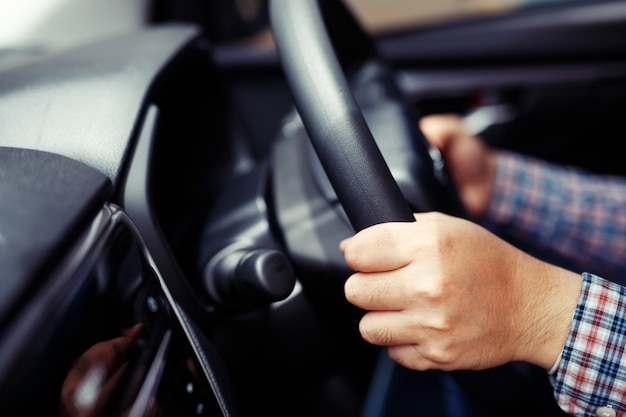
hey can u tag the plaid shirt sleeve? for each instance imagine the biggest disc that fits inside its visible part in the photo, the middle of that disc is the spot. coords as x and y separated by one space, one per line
592 370
578 220
564 215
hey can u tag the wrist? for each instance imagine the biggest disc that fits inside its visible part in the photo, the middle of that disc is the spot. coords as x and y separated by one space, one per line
548 313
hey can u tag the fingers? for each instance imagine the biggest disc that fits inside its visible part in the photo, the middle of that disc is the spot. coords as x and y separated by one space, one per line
114 353
470 162
408 356
102 365
392 246
377 248
110 354
441 129
133 332
375 292
410 345
389 328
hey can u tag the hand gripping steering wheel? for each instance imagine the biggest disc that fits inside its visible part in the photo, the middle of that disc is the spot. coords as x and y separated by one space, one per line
356 169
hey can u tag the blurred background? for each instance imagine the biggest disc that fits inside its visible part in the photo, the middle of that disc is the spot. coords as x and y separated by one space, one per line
379 15
29 28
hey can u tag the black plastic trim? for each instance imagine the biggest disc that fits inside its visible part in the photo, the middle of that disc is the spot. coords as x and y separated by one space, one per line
83 103
549 33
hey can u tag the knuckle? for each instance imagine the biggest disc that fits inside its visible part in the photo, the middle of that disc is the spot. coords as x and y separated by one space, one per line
442 324
441 357
443 245
432 290
409 357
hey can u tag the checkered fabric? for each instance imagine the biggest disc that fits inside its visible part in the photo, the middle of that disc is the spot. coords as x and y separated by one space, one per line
565 215
592 370
577 219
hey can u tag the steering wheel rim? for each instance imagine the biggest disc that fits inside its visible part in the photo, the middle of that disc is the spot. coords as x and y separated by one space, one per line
332 118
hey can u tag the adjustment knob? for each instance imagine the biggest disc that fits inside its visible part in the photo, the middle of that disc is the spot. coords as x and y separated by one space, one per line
248 277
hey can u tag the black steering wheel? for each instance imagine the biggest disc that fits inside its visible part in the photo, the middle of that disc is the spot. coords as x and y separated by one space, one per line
335 124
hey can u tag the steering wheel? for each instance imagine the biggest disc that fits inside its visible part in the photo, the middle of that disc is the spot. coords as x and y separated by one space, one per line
335 124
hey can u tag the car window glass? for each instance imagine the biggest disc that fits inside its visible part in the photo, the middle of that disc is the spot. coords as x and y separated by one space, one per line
377 15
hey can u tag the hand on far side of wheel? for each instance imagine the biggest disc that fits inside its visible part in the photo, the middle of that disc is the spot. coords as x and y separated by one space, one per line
470 162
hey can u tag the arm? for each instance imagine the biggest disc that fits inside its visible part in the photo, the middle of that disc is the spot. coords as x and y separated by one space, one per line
445 293
581 225
565 215
449 289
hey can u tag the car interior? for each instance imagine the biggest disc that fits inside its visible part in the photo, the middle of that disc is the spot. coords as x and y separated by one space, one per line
195 186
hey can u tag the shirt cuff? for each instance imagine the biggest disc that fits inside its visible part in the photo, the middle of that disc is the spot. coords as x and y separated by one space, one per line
592 369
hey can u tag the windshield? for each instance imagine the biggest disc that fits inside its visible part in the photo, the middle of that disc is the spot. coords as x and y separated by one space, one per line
377 15
29 28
